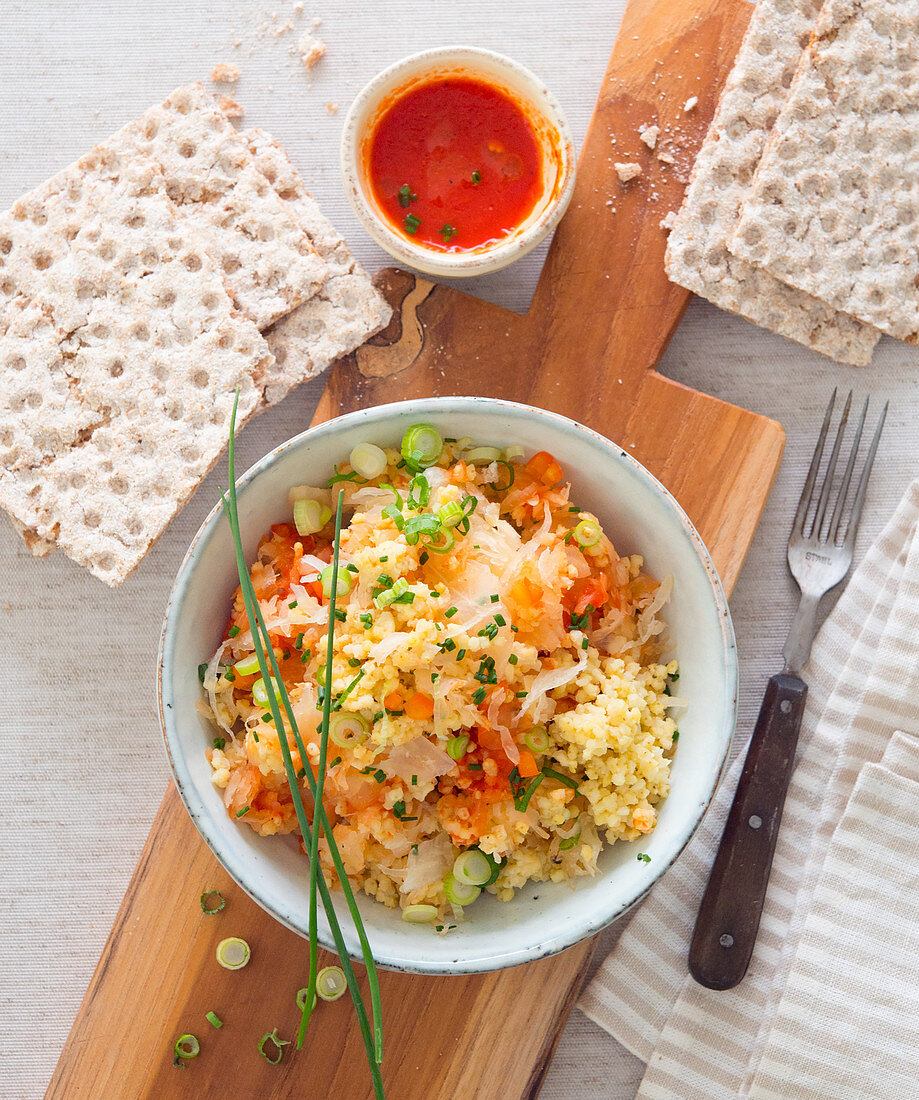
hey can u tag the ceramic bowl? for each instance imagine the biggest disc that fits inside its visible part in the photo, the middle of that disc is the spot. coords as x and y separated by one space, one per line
640 517
541 109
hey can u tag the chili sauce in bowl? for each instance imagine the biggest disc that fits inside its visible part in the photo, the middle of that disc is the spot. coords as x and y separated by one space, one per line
457 161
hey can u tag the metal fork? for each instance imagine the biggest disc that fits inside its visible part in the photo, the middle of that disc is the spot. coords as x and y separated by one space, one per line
819 555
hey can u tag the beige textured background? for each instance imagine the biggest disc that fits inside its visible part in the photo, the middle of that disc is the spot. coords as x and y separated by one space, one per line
82 765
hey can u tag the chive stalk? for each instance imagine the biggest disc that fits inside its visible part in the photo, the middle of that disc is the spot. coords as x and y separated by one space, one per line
373 1043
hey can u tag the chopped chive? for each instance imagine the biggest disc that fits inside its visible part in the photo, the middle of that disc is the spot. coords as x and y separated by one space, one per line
340 615
229 675
643 857
435 595
478 696
304 657
423 557
450 612
255 737
676 735
301 774
379 714
366 619
265 718
447 231
514 628
500 620
512 660
461 654
298 644
219 742
406 195
474 767
202 669
384 557
354 662
495 597
335 762
379 775
476 176
521 694
411 224
352 568
243 811
414 780
584 643
292 604
233 632
213 1019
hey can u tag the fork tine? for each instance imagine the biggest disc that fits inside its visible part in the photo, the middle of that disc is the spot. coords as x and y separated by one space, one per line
830 471
852 526
804 502
840 505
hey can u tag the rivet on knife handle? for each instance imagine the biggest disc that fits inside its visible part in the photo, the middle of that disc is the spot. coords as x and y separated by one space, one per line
729 915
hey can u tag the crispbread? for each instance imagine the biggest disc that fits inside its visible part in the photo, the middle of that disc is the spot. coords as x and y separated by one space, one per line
347 308
697 255
833 207
150 361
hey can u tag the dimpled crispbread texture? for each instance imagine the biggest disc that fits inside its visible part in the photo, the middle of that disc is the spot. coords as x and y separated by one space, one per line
834 206
345 311
150 353
266 256
697 254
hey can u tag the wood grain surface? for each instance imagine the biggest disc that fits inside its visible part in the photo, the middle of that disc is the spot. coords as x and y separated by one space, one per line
599 322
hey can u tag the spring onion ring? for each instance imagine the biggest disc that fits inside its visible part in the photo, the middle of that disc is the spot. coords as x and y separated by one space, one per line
233 953
308 516
460 893
330 983
482 456
472 868
456 746
279 1044
187 1046
537 739
347 729
207 907
368 460
587 533
344 582
419 914
422 446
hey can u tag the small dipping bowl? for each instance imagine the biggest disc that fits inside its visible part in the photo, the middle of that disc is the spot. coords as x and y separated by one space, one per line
539 107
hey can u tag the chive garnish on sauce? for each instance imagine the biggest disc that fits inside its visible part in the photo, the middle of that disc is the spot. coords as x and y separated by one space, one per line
411 224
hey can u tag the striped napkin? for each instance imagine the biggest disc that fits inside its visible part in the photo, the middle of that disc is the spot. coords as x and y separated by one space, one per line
830 1005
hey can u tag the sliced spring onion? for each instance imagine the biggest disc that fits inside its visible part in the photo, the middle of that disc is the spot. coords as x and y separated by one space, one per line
368 459
450 514
496 865
344 582
456 746
348 729
302 994
446 540
569 842
233 953
248 666
213 1019
308 517
587 533
482 455
419 914
260 690
330 983
460 893
399 588
511 475
564 779
416 526
419 491
471 868
422 445
187 1046
279 1044
537 739
211 907
513 453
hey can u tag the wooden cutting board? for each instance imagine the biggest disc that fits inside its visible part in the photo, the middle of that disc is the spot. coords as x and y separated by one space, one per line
599 322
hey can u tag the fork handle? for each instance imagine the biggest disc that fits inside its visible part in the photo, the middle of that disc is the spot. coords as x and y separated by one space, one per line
732 904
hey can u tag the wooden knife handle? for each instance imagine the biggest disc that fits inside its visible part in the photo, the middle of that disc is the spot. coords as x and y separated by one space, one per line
732 904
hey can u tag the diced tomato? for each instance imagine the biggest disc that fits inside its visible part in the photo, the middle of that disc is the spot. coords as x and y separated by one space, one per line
527 765
545 468
418 706
588 590
393 701
488 738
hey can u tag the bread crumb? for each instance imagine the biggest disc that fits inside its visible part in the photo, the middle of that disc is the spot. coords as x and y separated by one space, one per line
690 103
627 170
311 50
649 135
666 158
332 108
668 221
230 107
225 74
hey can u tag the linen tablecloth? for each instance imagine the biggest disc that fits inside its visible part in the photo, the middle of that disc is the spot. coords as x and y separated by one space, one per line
83 768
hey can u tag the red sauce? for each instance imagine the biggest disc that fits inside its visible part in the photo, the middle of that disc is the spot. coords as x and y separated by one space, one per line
455 164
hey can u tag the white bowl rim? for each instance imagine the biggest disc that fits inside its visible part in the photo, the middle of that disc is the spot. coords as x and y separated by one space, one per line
209 828
456 264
